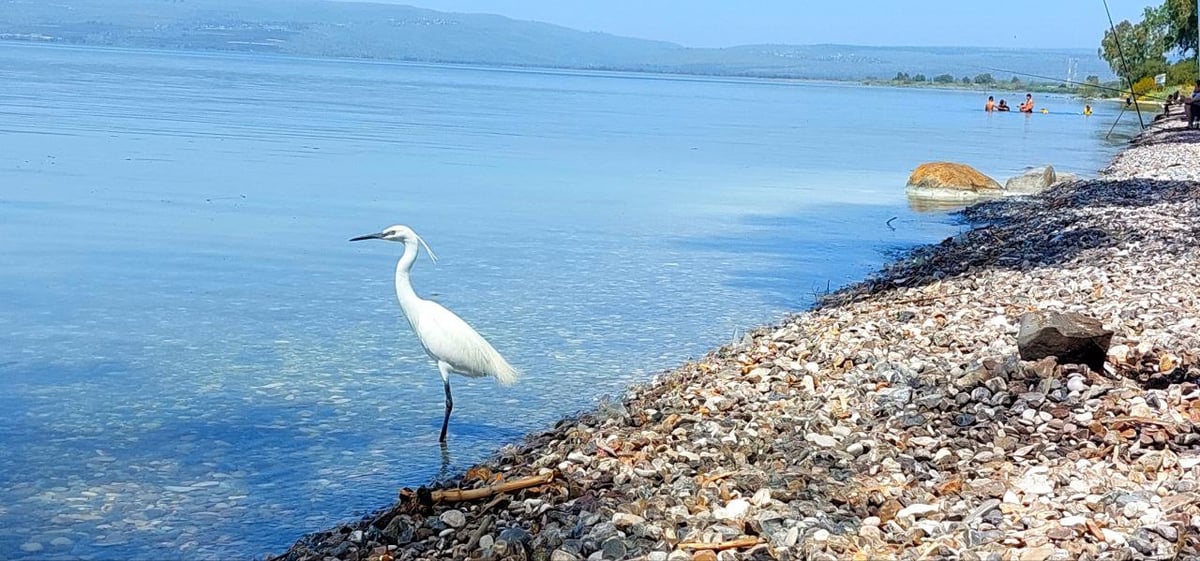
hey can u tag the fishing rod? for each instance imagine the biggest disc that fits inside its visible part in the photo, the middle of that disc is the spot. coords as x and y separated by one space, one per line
1118 90
1114 125
1124 64
1073 83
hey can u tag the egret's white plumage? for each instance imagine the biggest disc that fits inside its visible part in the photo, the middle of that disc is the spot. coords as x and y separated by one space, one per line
445 337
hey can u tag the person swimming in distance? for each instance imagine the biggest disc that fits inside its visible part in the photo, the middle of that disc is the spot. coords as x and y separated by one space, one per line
1003 106
990 105
1087 110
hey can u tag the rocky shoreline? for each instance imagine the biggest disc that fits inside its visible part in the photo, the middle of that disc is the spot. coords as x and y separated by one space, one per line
895 419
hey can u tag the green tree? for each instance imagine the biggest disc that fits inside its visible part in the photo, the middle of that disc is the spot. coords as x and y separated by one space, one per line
943 79
1135 51
984 78
1090 87
1180 18
901 77
966 79
1015 81
1182 72
920 78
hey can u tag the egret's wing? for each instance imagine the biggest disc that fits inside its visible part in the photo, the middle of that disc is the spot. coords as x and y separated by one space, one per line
447 337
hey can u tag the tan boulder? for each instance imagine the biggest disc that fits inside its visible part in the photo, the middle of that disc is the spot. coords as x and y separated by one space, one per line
951 181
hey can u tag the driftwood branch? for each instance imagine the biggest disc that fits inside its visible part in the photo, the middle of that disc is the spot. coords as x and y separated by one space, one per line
715 477
1140 421
459 495
746 541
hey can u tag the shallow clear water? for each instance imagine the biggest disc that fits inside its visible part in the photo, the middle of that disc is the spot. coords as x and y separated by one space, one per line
196 364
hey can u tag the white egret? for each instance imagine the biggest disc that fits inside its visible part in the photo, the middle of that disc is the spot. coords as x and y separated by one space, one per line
454 345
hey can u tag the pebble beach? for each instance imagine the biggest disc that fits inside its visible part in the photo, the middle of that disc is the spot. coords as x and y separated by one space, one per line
894 420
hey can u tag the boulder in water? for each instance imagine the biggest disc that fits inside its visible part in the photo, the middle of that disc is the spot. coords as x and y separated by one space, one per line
1031 181
949 181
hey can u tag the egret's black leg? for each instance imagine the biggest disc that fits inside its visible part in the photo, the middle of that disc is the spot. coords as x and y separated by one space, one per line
445 370
449 408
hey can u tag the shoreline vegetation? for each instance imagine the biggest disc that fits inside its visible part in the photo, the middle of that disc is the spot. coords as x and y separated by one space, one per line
1090 88
1015 86
894 420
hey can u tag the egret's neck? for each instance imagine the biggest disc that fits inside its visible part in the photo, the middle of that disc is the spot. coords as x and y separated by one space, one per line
404 289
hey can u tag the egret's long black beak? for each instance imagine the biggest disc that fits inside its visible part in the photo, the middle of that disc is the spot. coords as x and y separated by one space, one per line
378 236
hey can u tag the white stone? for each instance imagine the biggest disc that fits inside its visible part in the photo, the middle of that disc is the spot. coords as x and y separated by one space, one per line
1080 486
580 458
1113 537
917 509
1036 482
735 510
761 498
454 518
1076 384
793 536
1076 520
561 555
624 520
1119 353
822 440
923 441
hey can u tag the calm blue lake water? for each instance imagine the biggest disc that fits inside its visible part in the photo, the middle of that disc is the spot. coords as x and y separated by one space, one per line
197 364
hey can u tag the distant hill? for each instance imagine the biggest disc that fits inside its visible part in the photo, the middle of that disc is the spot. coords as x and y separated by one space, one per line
394 32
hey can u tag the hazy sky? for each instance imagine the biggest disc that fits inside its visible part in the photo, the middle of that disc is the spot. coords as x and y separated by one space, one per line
720 23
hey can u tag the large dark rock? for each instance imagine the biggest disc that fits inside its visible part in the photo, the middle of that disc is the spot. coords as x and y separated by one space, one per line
399 531
1070 337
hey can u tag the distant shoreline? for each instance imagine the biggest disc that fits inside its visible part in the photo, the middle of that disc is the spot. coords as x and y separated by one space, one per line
1037 87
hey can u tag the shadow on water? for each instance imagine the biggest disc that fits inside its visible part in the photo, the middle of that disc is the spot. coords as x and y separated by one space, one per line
930 206
792 260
